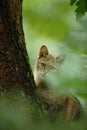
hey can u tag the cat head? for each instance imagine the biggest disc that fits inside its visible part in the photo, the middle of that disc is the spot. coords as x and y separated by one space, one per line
47 63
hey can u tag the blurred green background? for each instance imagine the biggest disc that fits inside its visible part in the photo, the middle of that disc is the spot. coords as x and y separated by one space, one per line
53 23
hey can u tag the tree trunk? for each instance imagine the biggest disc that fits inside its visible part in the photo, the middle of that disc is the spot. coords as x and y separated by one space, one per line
15 71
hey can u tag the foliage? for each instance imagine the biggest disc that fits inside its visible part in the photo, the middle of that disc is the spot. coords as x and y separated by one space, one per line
81 7
53 22
45 19
19 113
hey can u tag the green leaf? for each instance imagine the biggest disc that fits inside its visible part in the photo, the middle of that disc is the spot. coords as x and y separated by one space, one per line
80 10
72 2
81 7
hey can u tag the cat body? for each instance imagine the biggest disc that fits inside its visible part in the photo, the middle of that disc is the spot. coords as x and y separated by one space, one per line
68 105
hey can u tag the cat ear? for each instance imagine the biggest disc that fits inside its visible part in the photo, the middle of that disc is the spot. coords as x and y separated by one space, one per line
43 51
60 59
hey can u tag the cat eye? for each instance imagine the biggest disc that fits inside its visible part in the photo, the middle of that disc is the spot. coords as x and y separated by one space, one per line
43 64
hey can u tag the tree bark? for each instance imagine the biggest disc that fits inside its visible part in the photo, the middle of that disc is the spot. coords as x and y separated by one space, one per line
15 70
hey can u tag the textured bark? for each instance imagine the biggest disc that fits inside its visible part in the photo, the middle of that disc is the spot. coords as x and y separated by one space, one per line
15 71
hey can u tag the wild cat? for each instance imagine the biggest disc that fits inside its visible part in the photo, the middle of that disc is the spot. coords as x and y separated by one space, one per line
69 106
